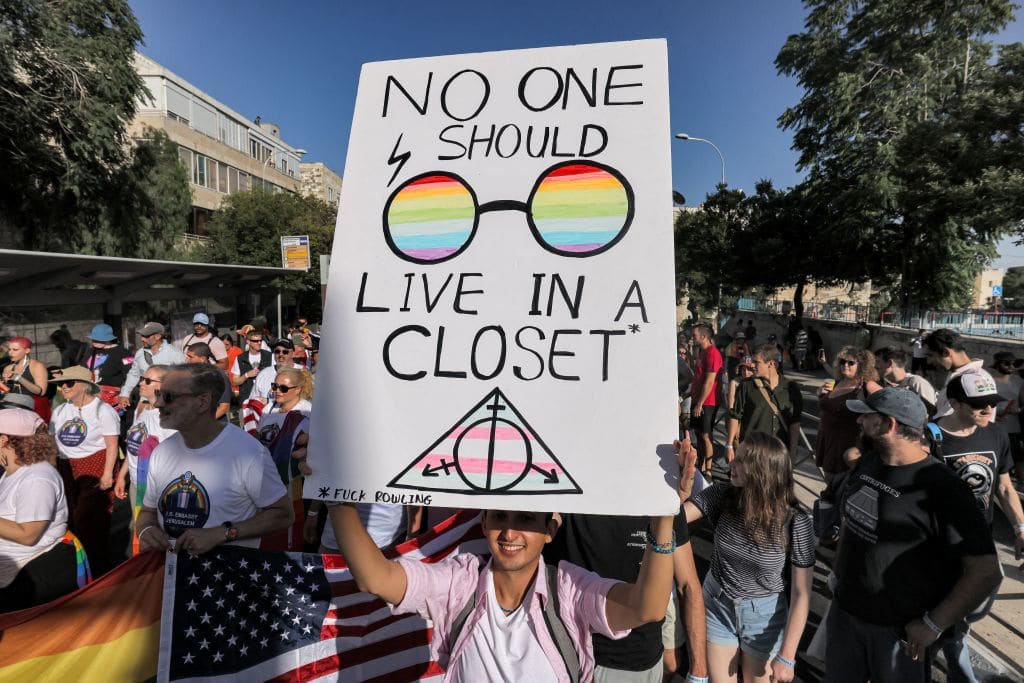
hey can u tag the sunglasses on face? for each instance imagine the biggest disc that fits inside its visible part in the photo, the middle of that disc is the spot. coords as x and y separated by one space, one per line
256 341
281 352
148 380
67 384
170 397
575 209
843 362
283 388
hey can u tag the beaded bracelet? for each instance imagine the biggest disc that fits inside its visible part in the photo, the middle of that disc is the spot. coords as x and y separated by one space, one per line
787 662
663 548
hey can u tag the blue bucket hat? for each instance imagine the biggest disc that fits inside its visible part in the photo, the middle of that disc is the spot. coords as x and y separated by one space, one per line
102 332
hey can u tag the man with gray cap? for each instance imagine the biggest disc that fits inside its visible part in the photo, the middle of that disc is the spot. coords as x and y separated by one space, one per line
155 351
202 333
914 555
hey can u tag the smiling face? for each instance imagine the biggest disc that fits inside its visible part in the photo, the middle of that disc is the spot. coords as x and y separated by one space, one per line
848 367
516 538
149 384
74 391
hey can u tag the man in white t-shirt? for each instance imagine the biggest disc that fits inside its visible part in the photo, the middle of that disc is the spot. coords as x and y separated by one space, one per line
945 349
201 333
892 365
283 353
211 483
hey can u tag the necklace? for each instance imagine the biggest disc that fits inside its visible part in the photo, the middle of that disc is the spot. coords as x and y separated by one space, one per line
509 612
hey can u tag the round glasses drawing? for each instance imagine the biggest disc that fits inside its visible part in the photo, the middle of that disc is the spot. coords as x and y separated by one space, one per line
575 209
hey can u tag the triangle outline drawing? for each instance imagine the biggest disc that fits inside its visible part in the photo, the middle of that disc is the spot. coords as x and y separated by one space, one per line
446 471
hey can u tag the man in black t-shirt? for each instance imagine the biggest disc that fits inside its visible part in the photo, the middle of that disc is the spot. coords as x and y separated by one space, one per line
914 556
613 547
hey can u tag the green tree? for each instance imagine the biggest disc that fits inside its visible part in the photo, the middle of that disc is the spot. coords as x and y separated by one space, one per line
909 129
1013 288
248 229
67 91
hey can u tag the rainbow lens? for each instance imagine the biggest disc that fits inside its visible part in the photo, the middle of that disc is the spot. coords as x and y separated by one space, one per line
430 218
580 208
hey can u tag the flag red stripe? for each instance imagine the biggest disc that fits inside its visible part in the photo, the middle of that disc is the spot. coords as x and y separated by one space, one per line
409 673
356 656
358 610
338 631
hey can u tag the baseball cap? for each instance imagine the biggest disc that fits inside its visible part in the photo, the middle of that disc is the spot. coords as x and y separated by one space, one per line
201 318
17 422
902 405
976 388
151 328
286 343
746 362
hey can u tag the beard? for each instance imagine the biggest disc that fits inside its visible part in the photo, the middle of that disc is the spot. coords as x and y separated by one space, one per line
869 444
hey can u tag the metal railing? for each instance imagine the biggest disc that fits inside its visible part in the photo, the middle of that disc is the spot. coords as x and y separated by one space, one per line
977 322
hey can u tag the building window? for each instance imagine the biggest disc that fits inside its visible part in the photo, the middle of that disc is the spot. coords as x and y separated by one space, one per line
243 181
222 178
185 154
199 171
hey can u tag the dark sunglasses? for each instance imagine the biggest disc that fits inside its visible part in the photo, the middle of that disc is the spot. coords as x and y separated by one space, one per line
168 397
256 340
281 352
283 388
844 362
68 383
147 381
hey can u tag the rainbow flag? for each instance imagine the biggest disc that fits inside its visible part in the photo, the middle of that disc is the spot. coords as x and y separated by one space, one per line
107 631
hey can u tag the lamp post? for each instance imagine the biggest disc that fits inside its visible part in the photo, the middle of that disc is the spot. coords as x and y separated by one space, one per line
684 136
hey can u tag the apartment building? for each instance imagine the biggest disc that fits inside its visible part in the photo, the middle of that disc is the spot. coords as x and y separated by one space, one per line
223 150
319 181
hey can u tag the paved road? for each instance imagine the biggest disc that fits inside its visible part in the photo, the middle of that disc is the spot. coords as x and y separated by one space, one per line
997 641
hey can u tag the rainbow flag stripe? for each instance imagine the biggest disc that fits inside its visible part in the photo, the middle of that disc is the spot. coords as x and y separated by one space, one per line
432 217
580 208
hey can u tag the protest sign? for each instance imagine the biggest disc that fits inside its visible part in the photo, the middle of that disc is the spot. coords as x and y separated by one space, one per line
500 320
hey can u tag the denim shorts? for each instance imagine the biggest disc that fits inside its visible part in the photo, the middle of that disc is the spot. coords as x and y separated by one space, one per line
755 625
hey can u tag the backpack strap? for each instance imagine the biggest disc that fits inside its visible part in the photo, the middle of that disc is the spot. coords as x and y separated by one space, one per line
552 619
934 434
556 627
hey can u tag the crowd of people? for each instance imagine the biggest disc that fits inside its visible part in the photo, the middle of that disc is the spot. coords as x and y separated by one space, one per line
205 441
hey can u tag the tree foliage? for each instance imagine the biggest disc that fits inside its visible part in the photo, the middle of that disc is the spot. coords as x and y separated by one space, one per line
910 131
248 229
68 89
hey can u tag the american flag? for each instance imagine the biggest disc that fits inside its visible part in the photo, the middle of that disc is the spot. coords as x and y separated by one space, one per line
238 613
252 411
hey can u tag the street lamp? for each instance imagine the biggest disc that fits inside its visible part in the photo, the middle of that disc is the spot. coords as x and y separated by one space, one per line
684 136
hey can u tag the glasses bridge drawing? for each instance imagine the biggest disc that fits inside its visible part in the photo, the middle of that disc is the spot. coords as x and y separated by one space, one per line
489 450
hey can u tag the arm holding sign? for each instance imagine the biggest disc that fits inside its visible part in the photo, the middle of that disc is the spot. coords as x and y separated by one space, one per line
372 571
630 605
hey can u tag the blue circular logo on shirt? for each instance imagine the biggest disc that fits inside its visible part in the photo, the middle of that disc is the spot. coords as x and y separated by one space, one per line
184 505
137 433
73 432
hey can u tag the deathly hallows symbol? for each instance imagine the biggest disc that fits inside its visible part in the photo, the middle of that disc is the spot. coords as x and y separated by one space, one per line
491 449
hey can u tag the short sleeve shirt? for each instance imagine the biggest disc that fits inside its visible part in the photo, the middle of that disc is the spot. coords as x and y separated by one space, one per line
228 480
709 362
33 493
744 568
979 460
79 431
755 414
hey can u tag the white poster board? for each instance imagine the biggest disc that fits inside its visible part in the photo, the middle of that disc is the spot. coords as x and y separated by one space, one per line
500 320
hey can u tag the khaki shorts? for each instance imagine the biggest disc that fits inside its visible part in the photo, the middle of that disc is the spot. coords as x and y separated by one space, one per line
673 633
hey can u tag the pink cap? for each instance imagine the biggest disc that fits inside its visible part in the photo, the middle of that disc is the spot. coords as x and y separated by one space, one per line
18 422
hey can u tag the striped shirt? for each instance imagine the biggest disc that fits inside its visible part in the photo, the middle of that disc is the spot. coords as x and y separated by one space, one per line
741 567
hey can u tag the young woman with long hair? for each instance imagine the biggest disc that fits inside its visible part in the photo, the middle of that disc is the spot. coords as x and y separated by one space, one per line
760 535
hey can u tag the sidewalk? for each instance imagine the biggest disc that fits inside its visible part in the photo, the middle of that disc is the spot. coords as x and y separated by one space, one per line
996 642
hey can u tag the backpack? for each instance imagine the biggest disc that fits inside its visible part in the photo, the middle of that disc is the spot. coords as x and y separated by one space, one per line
552 619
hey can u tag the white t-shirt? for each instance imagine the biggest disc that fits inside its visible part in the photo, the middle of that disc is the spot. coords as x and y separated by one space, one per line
217 347
147 424
272 420
33 493
253 361
228 480
942 406
381 520
80 431
503 648
1011 392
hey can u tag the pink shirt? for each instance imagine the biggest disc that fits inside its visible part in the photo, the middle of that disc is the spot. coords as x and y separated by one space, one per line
439 592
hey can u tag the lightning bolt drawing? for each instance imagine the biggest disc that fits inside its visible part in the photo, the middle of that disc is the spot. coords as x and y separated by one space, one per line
397 158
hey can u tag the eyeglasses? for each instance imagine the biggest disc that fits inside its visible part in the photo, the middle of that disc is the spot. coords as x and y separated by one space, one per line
575 209
281 352
68 383
256 340
170 397
149 380
845 361
283 388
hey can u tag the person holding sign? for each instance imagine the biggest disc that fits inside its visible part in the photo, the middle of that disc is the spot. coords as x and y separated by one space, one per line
487 617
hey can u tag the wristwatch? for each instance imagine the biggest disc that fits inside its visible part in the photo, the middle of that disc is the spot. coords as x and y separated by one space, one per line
230 531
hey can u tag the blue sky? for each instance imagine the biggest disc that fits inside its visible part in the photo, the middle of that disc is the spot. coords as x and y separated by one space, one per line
298 65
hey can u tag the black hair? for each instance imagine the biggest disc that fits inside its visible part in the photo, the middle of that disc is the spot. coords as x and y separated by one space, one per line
201 349
891 353
944 338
